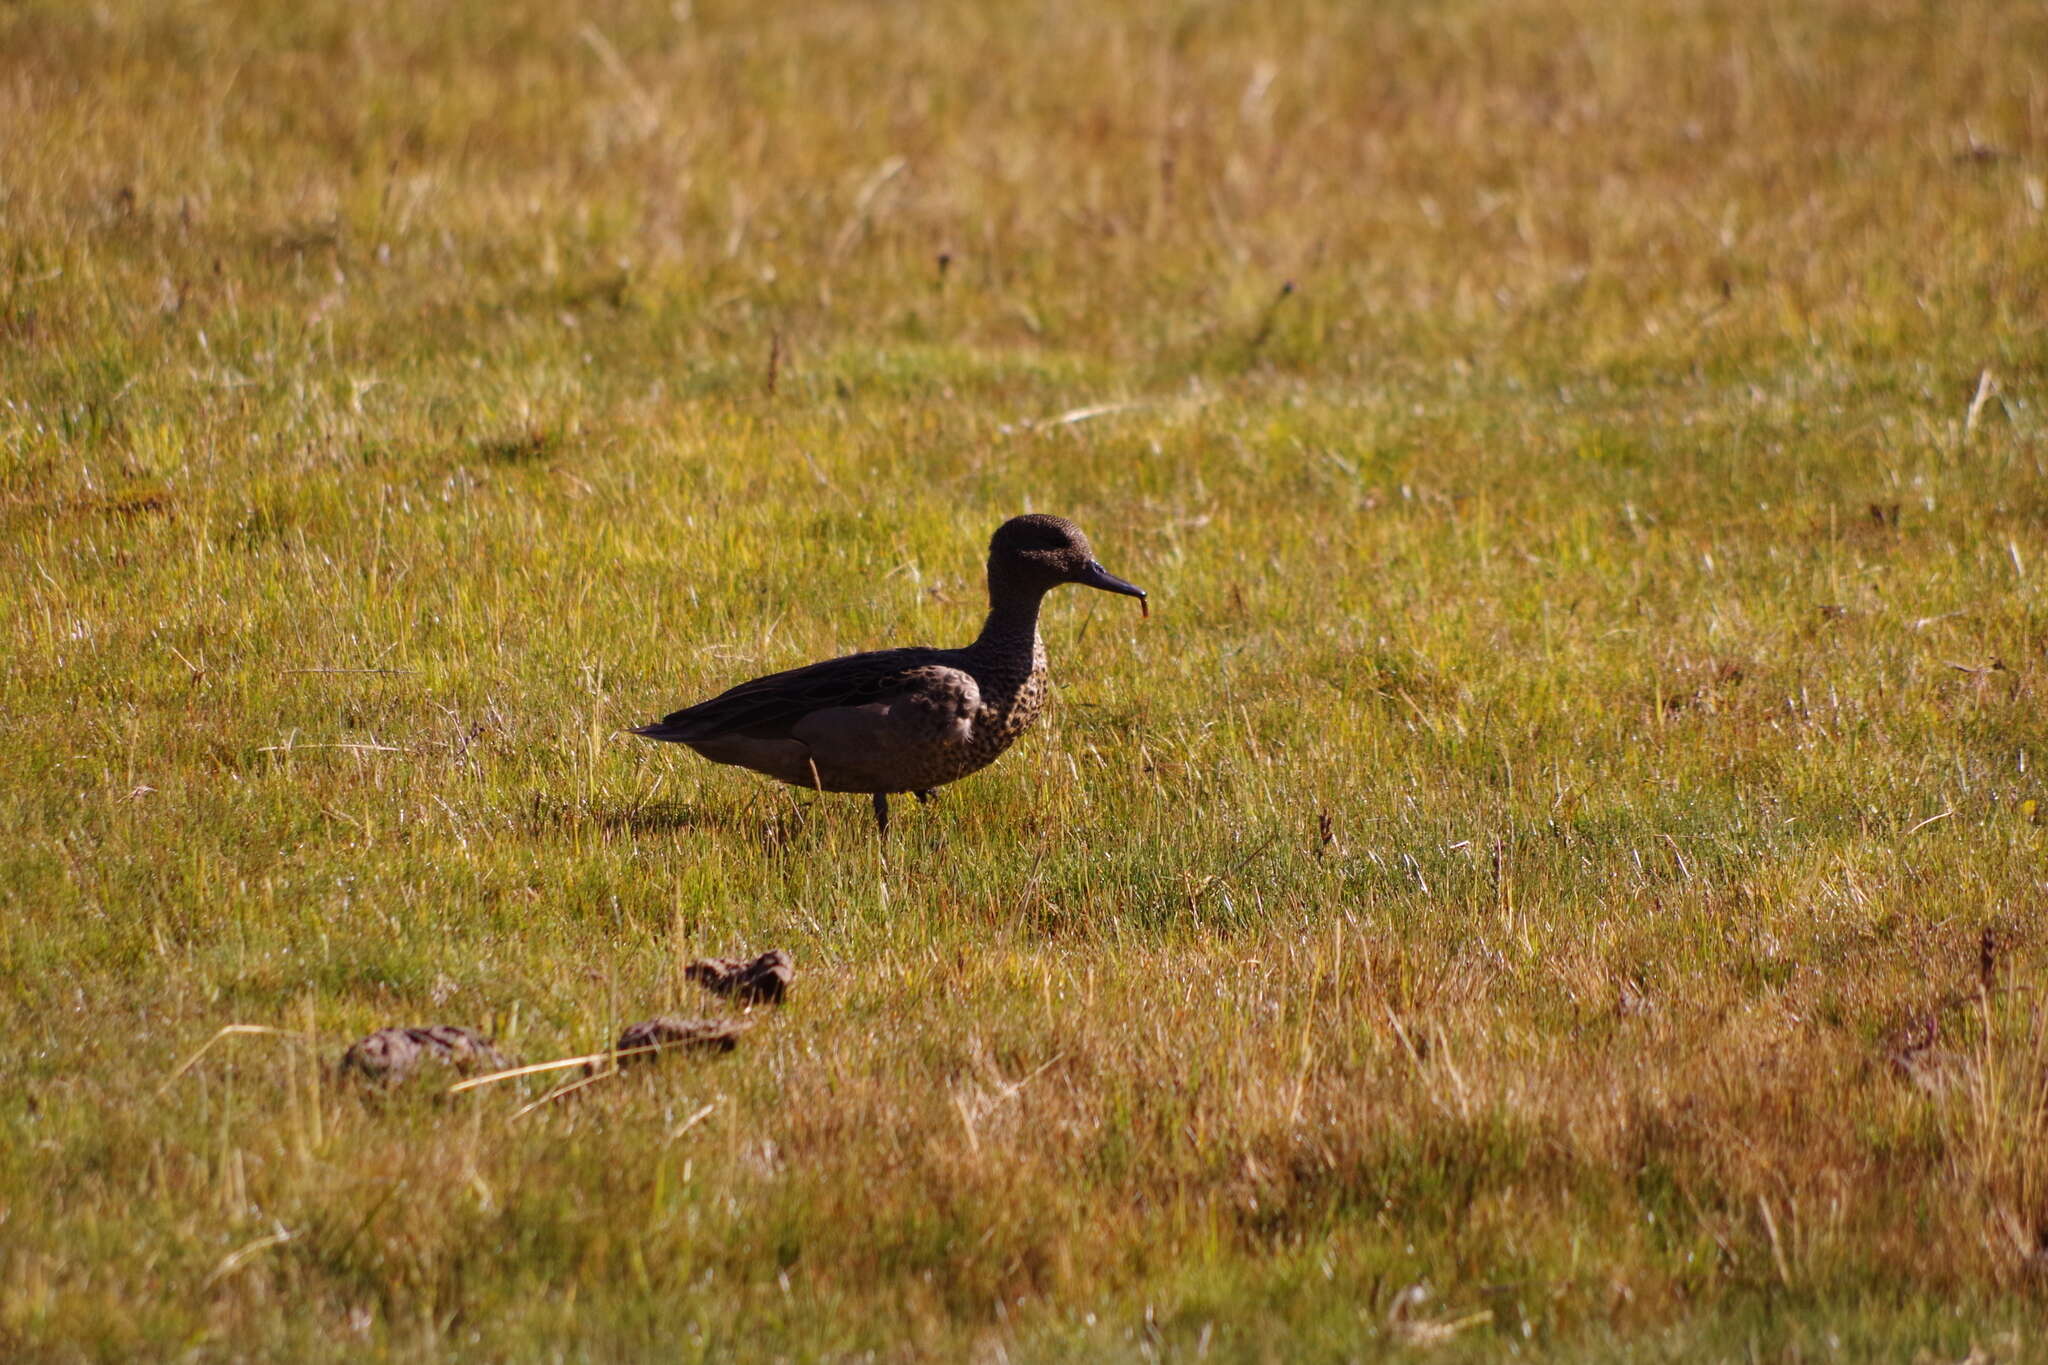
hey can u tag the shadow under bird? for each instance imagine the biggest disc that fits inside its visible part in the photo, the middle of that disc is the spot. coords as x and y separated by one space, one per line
905 720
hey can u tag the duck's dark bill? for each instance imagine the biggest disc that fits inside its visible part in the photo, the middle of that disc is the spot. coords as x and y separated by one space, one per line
1098 577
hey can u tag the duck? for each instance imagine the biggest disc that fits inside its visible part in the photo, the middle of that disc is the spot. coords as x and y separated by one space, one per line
895 721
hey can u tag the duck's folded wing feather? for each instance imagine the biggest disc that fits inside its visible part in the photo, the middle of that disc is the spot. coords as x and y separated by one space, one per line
769 706
894 743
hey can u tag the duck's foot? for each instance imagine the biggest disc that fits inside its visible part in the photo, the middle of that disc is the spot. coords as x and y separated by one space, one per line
927 796
882 814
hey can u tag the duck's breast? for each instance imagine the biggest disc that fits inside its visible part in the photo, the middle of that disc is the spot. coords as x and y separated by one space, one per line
1009 706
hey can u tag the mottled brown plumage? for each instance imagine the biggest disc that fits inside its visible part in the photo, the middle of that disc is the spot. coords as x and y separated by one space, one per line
905 720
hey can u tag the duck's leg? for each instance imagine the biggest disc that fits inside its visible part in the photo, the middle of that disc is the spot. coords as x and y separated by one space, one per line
882 814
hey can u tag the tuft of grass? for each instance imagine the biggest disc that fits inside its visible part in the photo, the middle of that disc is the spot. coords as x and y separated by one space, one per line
1558 874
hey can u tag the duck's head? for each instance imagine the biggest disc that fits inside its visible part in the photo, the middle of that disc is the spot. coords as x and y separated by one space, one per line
1038 552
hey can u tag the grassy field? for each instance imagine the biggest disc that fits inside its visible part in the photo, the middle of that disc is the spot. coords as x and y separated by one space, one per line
1560 873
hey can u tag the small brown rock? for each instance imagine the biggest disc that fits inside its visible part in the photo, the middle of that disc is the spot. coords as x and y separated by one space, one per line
765 980
391 1055
673 1031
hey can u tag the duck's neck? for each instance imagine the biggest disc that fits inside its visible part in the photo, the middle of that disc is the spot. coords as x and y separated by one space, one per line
1010 635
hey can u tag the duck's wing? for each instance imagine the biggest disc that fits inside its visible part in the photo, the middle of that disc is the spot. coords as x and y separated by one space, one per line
767 707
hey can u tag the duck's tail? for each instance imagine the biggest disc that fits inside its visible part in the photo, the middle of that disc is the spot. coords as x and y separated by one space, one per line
667 731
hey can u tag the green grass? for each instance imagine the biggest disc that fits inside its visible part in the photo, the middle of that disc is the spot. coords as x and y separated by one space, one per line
1590 722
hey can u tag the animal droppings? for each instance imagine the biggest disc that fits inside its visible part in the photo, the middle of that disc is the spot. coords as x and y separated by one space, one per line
651 1037
763 981
391 1055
